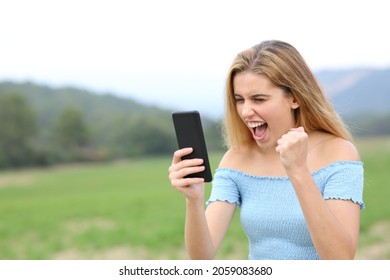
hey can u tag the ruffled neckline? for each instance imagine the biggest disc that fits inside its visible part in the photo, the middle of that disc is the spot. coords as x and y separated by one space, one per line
315 173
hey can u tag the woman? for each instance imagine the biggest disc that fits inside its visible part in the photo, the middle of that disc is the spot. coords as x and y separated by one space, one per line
290 166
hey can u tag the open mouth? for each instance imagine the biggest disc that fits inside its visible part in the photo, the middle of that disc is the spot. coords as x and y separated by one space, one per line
258 128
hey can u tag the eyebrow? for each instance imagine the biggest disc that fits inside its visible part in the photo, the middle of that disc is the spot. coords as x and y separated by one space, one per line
257 95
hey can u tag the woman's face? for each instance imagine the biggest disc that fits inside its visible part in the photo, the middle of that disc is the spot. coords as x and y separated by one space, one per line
265 108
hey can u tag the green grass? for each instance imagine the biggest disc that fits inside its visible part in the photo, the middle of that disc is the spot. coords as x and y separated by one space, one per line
92 208
375 154
88 211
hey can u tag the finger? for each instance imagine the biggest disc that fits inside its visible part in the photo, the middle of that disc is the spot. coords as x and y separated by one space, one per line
299 129
184 164
180 174
183 183
181 153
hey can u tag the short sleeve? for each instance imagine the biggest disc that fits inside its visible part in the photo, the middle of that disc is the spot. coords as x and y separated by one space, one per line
224 188
346 182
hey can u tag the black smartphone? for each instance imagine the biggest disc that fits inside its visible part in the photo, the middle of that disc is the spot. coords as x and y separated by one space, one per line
189 134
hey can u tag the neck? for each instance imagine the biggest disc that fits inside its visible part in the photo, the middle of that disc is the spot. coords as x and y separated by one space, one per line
269 152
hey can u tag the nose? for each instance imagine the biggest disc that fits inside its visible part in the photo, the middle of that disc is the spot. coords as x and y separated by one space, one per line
247 110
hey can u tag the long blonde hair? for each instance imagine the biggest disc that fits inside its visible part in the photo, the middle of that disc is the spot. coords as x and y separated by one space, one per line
286 68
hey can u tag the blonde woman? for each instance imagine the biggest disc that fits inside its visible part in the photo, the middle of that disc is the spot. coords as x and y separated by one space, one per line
290 166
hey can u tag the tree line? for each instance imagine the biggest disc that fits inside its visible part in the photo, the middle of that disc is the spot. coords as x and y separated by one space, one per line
36 137
41 126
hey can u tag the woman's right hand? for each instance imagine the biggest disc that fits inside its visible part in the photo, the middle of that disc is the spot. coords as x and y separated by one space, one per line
192 188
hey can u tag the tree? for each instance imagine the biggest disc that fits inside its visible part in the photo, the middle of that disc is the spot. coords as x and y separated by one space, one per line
143 136
17 128
71 133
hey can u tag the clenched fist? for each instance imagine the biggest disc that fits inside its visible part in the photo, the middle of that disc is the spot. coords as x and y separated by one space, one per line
292 149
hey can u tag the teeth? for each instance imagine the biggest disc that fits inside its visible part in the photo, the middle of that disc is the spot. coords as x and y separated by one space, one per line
255 124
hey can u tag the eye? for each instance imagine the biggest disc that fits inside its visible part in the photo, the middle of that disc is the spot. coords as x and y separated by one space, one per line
238 99
258 100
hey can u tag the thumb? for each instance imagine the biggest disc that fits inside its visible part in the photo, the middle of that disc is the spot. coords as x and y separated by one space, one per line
299 129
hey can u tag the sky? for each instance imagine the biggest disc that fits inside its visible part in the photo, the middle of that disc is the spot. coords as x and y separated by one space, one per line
176 53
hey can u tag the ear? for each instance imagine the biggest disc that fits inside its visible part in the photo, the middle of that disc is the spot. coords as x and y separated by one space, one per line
294 104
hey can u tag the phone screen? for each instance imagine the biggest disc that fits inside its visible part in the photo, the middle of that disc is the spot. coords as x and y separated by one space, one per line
189 134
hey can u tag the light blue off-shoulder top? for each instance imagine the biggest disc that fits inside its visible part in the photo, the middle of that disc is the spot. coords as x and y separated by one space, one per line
270 211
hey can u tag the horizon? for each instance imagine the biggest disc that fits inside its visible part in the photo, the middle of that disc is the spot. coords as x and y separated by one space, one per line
213 109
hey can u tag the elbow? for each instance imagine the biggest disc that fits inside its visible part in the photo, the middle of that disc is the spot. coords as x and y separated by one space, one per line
201 254
201 257
344 254
348 255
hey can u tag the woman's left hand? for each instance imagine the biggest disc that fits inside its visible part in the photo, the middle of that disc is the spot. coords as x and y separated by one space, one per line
292 149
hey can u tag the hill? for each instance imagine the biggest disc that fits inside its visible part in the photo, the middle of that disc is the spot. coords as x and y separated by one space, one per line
361 97
358 91
110 126
48 102
114 126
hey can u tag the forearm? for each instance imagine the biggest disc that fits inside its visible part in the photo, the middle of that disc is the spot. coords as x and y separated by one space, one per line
197 235
329 236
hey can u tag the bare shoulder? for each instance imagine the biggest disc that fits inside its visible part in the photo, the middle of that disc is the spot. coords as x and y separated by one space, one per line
338 149
344 150
233 158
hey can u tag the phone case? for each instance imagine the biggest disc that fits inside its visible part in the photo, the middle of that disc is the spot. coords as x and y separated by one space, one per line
189 133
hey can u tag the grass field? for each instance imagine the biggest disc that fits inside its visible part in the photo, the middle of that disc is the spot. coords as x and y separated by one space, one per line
128 210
